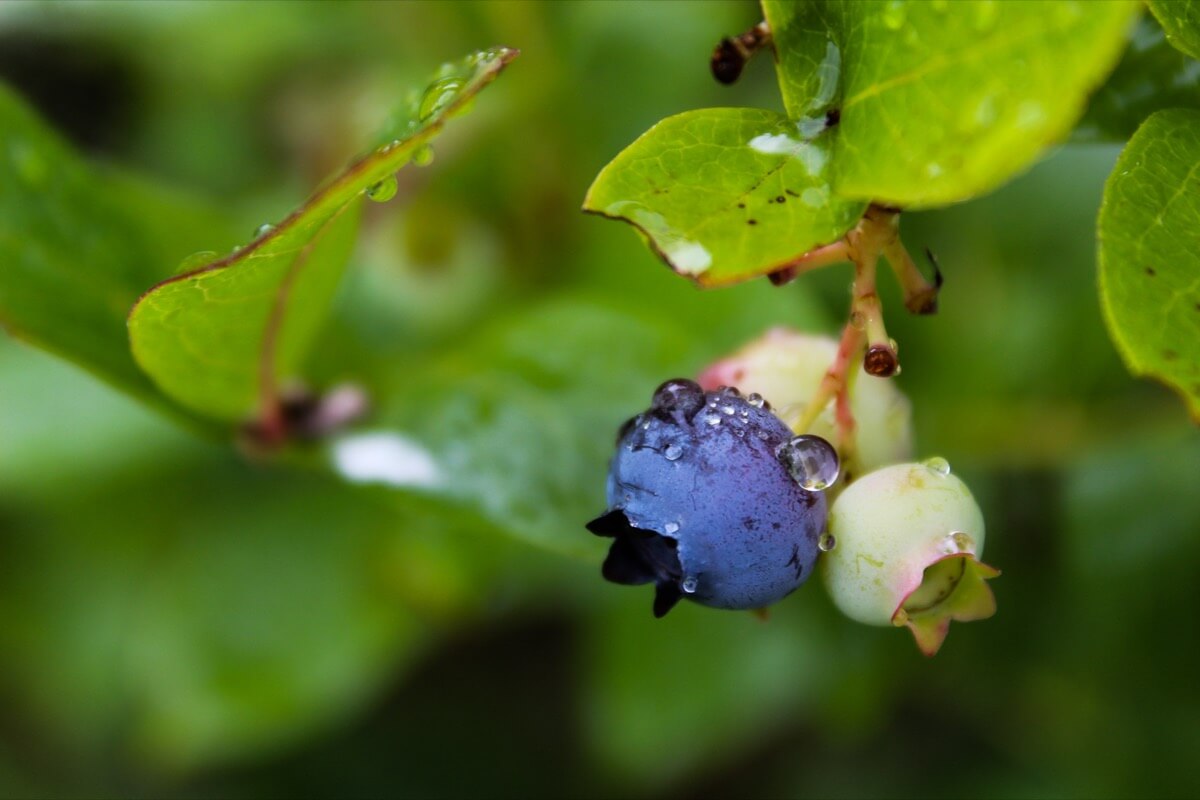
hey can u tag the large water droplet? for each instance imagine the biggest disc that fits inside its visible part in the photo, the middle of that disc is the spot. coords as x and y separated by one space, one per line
811 461
439 95
423 156
673 452
755 399
384 190
827 542
690 584
938 464
671 528
198 260
680 395
957 542
263 230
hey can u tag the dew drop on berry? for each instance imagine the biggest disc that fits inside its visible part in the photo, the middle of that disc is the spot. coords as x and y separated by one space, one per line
755 399
690 584
679 395
673 452
671 528
938 464
811 461
827 542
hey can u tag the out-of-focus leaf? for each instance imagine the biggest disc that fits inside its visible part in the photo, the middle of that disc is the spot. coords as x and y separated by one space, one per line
1152 76
1181 20
518 423
221 336
79 244
942 101
1150 253
726 194
665 698
238 614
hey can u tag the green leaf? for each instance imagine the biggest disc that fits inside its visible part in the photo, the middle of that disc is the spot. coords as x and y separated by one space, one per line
725 194
1181 20
220 337
1152 76
941 101
1150 254
79 244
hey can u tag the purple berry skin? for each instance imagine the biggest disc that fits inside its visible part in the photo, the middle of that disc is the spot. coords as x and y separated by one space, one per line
700 505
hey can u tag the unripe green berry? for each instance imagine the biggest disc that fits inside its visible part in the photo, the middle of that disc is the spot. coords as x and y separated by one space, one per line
906 546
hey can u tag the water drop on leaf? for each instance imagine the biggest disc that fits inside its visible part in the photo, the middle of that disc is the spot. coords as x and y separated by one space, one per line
198 260
423 156
439 95
384 190
263 230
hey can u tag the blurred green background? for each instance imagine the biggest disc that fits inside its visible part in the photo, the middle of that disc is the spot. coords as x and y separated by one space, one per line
176 621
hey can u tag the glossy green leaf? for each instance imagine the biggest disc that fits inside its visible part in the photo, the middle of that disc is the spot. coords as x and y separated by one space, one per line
220 337
1149 254
725 194
1181 20
942 101
1151 76
79 244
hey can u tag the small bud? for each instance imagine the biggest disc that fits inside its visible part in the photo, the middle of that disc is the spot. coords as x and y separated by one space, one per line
909 538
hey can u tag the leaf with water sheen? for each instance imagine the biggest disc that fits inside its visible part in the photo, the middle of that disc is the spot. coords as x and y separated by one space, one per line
1150 252
1152 76
78 244
1181 20
942 101
726 194
220 337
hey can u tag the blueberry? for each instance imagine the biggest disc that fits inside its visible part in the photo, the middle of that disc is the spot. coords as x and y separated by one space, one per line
701 504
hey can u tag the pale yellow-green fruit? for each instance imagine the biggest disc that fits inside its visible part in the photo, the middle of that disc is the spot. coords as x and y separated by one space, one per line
907 540
786 366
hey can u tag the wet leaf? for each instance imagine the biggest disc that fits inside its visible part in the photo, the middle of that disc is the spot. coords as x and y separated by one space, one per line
78 244
1181 20
726 194
1149 254
220 337
1152 76
942 101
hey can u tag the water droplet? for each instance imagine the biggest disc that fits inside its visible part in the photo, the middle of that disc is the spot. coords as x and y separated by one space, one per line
646 425
938 464
423 156
690 584
963 543
389 147
727 410
198 260
679 394
728 391
811 461
384 190
894 345
893 14
440 94
858 320
671 528
673 452
263 230
827 542
712 419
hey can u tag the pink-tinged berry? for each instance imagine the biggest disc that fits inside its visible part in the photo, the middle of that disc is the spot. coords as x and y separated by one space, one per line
904 549
786 367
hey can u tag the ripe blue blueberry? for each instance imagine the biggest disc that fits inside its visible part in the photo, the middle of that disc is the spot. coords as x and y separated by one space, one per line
705 501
